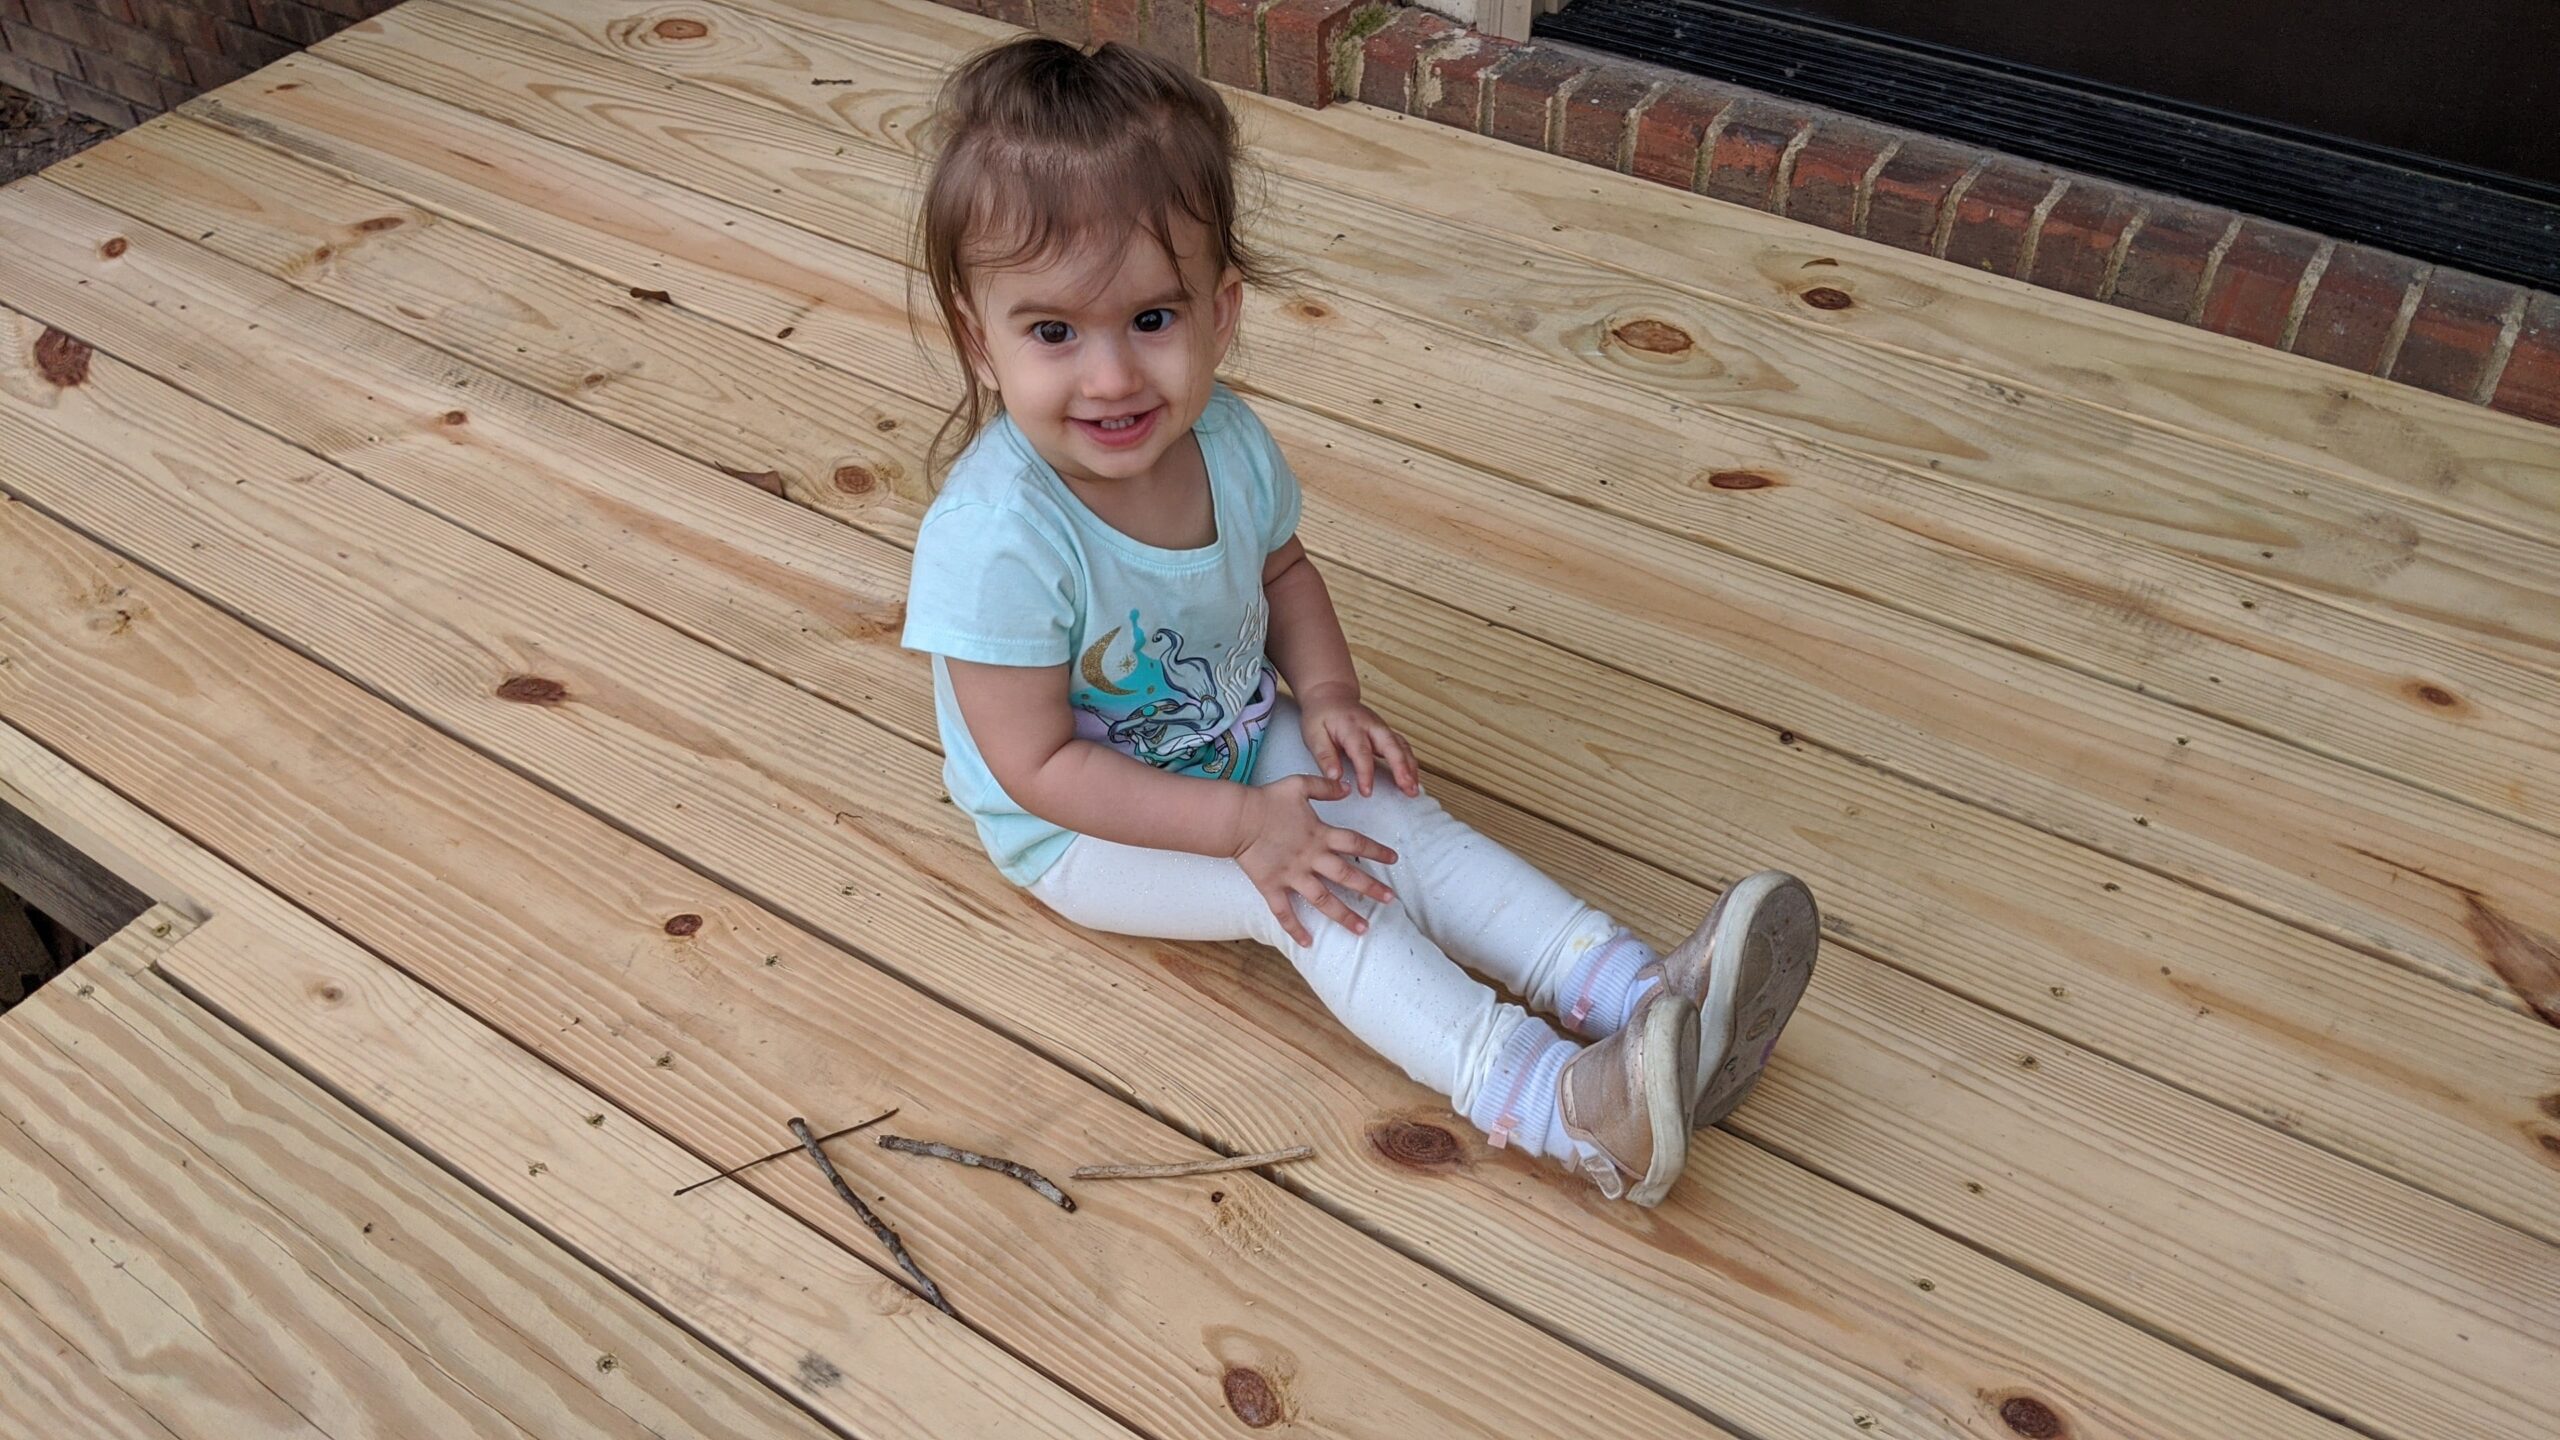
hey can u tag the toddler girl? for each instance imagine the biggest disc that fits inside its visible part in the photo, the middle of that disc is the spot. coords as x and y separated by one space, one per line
1112 589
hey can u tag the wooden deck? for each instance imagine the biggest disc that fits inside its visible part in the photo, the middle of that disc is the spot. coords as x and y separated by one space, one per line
460 478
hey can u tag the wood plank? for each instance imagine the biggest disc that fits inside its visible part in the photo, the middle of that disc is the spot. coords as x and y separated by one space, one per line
700 778
2321 675
554 928
226 1249
1739 1337
65 884
2394 440
2386 1072
2236 507
2228 811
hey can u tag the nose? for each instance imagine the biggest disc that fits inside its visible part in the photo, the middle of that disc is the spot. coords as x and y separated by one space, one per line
1110 370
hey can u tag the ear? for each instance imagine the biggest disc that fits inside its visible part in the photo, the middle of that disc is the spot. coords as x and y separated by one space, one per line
973 347
1228 307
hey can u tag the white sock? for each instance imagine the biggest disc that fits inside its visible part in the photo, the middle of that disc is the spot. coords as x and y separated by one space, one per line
1601 990
1517 1103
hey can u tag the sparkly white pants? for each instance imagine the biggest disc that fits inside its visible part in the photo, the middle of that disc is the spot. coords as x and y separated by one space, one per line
1461 900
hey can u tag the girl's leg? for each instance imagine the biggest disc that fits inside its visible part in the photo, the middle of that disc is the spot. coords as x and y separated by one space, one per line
1497 913
1391 987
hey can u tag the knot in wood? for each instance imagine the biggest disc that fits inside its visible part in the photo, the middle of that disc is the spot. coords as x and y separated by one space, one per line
1416 1144
454 417
1250 1394
1310 310
1826 297
62 359
2031 1418
1654 337
681 29
2437 696
532 690
685 924
115 246
856 479
1740 480
380 223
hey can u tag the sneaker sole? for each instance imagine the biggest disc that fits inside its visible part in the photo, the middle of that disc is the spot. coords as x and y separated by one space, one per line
1770 923
1669 1045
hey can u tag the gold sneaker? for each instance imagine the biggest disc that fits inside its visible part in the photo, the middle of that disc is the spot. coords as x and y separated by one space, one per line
1626 1099
1744 968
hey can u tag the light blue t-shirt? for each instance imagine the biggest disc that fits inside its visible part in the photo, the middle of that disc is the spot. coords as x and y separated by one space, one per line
1165 646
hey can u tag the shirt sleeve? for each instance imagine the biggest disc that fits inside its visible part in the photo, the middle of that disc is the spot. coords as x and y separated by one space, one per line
1277 499
987 586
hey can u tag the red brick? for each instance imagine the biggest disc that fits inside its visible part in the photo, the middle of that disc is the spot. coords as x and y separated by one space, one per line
1996 213
15 10
1672 128
212 69
1743 166
1823 185
21 73
2530 385
1173 31
1298 41
2163 269
2079 237
256 49
48 51
1011 12
1597 117
294 21
1450 87
126 82
64 20
2352 310
347 10
2254 290
1231 42
2457 323
1121 20
1391 58
1911 190
1059 19
97 104
1520 104
189 27
174 93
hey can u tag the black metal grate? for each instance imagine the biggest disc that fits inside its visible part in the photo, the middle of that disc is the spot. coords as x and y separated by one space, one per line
2498 225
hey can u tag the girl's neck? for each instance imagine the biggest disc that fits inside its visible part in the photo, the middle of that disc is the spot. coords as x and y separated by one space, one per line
1169 507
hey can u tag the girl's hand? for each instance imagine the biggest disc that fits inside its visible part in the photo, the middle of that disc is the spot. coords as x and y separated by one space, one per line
1337 728
1288 851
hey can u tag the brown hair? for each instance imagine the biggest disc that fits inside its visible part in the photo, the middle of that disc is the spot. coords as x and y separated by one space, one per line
1040 148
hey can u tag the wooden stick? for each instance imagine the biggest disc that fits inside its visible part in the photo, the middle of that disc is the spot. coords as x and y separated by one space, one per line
1024 1173
1192 1167
794 1150
888 1237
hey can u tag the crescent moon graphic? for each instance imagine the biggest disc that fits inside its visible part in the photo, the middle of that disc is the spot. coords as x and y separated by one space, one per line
1093 665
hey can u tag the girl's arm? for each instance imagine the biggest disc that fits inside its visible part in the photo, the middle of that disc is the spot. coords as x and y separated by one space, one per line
1308 647
1025 731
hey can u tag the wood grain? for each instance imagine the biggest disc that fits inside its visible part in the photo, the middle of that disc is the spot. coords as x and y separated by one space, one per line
2432 1096
667 712
2395 441
553 928
224 1248
2235 506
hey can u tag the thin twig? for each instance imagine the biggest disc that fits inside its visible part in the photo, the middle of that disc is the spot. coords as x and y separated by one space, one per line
794 1150
1192 1167
1023 1173
888 1237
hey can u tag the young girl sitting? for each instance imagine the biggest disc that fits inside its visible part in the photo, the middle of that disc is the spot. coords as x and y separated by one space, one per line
1112 588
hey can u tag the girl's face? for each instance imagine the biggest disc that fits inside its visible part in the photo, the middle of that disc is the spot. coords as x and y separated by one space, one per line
1104 358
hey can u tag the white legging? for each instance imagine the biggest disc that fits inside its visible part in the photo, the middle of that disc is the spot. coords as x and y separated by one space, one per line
1395 988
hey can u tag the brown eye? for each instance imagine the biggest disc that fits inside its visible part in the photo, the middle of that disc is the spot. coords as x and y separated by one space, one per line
1053 332
1164 322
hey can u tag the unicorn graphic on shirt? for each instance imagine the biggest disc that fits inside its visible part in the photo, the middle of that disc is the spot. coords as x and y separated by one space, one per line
1174 709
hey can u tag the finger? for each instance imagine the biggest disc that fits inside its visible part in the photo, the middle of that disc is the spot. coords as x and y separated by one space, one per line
1287 915
1352 842
1360 882
1328 755
1399 757
1323 787
1331 904
1364 765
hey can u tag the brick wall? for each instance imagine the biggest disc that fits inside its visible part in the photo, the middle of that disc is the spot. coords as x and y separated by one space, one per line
120 61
